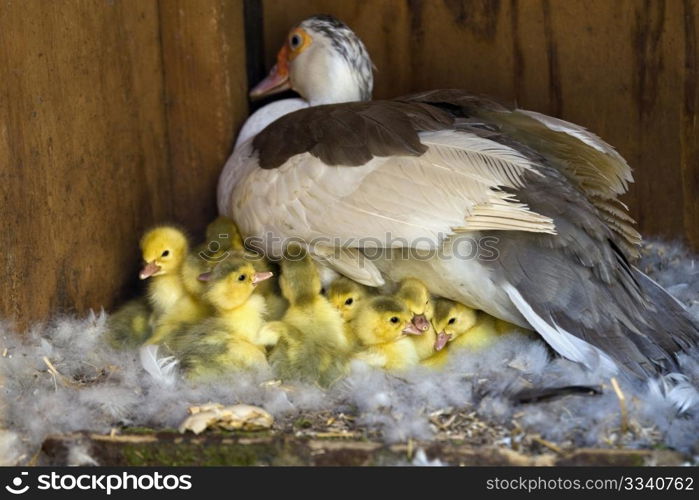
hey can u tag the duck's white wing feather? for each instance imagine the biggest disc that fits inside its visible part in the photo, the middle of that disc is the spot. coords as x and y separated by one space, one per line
390 201
589 162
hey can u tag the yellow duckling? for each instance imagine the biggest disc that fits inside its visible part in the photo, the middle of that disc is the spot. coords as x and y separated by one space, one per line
222 238
347 296
276 303
311 342
164 250
129 326
417 298
461 327
222 234
385 328
229 341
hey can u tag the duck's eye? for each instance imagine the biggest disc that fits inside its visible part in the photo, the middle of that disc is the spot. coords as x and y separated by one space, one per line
295 41
349 301
242 277
452 321
394 319
165 253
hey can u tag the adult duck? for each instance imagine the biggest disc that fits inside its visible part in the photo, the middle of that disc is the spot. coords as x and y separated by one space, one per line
411 186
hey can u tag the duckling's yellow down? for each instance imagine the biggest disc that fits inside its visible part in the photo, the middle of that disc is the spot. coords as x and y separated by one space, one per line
164 250
347 296
461 327
382 326
419 302
222 238
230 340
129 326
312 346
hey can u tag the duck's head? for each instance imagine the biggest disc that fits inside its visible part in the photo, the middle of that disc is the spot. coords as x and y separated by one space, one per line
451 320
299 280
231 283
222 234
383 319
417 298
164 250
347 296
324 61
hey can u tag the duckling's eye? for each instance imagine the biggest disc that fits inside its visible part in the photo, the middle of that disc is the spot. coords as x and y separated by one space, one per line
394 319
165 253
452 321
295 41
242 277
349 301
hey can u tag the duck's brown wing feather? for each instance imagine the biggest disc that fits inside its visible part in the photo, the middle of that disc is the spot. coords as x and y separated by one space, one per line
349 134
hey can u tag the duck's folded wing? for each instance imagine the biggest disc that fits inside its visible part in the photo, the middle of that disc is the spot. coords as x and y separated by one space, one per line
459 184
587 161
392 175
578 290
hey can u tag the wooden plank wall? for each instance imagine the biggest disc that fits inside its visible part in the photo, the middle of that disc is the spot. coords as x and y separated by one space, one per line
626 69
114 115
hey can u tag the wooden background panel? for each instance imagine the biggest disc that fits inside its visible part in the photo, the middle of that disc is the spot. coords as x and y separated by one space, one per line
114 116
626 69
206 88
82 150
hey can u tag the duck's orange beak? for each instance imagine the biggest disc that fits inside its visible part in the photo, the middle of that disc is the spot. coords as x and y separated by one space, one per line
278 78
149 270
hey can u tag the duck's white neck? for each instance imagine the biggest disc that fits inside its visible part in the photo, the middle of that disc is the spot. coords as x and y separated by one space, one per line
342 90
266 115
329 79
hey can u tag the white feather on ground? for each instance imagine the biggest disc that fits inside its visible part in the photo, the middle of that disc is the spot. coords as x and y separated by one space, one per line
163 370
96 388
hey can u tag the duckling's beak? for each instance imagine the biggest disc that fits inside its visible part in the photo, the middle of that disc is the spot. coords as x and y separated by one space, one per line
204 276
411 329
278 78
421 322
149 270
442 339
258 277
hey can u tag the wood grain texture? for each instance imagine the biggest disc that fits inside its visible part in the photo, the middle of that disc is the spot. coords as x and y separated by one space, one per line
114 116
203 46
82 151
626 69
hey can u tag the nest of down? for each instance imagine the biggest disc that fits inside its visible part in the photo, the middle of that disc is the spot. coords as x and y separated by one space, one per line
62 377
